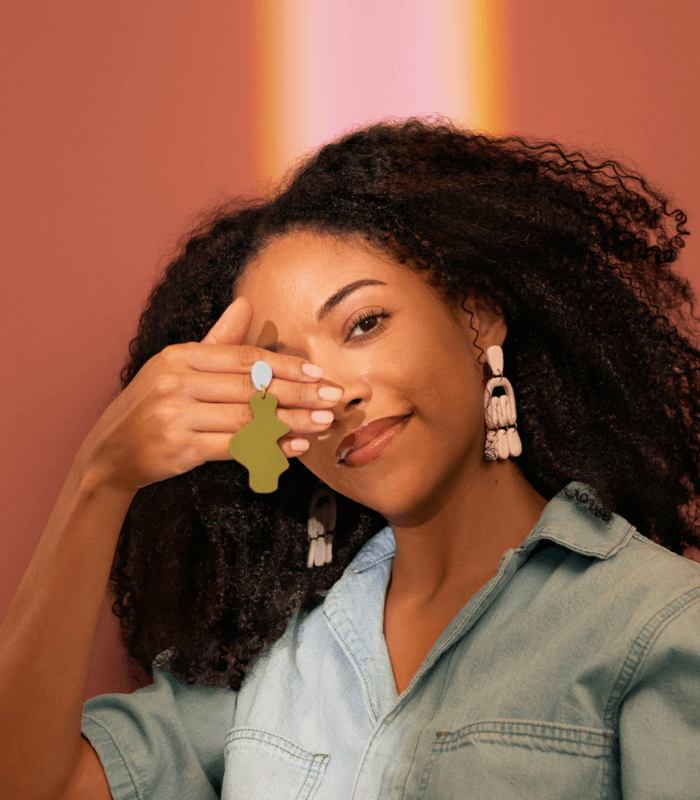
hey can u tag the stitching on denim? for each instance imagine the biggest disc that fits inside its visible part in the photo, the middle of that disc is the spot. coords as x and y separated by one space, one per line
443 745
448 740
459 631
359 670
413 760
650 542
315 771
274 739
539 729
377 561
313 765
137 789
552 534
640 649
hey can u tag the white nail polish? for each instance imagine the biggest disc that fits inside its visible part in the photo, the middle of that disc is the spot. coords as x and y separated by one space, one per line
312 370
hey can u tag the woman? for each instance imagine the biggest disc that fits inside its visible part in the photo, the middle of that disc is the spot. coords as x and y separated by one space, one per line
490 624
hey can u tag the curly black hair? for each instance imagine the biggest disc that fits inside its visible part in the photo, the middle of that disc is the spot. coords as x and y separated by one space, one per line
599 349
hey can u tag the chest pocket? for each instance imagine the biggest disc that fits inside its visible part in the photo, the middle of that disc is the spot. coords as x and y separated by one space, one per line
264 765
502 759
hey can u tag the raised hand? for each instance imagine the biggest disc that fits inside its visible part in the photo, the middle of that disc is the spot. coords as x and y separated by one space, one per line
186 402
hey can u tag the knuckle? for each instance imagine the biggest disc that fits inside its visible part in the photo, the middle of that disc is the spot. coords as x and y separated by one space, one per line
190 455
167 415
248 355
171 443
169 354
245 416
166 384
187 349
302 394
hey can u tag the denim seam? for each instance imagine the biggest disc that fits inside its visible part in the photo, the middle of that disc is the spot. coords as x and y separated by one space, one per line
550 533
376 562
413 761
545 730
314 764
358 668
129 771
317 770
443 745
459 630
308 756
640 649
655 545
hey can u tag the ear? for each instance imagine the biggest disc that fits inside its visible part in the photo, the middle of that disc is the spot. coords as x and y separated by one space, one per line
488 320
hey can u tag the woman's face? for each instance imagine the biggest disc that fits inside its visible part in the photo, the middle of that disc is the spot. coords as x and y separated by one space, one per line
381 335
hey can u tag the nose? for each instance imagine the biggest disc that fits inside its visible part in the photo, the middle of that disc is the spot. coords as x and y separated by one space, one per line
356 389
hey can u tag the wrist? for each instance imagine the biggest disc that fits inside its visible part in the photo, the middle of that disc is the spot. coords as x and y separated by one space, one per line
91 480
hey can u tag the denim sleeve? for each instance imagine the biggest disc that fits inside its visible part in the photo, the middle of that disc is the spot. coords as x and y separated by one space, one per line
162 742
660 715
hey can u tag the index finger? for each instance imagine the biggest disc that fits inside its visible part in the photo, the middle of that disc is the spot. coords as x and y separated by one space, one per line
240 359
233 324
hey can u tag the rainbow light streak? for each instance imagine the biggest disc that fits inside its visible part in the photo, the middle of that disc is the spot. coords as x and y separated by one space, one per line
326 67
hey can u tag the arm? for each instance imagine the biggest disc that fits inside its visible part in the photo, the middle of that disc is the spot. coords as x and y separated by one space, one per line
47 637
178 412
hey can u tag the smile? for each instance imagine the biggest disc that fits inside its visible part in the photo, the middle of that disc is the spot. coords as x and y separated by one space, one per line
372 449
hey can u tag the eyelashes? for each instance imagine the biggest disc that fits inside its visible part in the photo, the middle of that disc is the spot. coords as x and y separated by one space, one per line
364 318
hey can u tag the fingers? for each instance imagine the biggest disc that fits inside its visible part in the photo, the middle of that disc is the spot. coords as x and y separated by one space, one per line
212 387
232 325
231 417
240 359
215 447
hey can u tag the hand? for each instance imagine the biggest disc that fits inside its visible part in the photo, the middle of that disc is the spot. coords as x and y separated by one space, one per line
185 404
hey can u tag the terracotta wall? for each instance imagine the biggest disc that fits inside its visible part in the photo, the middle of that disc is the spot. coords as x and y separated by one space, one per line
120 121
617 76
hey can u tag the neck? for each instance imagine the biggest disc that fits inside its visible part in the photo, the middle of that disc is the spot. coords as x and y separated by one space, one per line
458 538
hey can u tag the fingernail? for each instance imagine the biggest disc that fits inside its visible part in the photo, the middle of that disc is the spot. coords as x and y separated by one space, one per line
322 417
330 393
312 370
299 445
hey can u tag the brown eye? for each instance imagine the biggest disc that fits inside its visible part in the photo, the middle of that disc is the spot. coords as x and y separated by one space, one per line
368 324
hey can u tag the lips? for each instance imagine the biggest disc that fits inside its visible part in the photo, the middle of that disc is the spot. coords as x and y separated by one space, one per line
364 435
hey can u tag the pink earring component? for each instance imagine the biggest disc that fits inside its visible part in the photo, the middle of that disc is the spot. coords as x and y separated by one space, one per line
502 437
321 527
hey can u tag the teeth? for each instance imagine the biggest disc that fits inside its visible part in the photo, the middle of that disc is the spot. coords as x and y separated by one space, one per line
342 454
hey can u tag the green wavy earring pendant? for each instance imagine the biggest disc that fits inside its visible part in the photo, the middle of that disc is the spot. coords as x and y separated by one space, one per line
255 445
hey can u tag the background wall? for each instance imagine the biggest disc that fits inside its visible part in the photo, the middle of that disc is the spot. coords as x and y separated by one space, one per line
120 122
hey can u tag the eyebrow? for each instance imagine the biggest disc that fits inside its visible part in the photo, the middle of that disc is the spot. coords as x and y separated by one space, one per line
334 300
337 298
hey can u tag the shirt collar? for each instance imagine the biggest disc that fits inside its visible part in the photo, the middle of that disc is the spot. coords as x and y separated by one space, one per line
565 521
573 524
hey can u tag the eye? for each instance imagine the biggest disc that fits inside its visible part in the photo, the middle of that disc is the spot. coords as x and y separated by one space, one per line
368 323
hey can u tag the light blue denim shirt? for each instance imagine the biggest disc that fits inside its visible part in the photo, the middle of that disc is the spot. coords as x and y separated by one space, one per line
574 673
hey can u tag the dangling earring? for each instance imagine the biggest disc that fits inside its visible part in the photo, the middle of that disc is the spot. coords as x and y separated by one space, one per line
255 445
502 437
321 526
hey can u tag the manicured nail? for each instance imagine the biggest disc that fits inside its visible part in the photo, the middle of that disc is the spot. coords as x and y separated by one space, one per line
330 393
312 370
299 445
322 417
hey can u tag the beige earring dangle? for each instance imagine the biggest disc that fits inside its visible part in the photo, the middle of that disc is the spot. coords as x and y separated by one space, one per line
502 437
321 526
255 445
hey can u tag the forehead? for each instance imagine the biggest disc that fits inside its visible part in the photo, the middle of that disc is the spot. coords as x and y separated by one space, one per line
306 259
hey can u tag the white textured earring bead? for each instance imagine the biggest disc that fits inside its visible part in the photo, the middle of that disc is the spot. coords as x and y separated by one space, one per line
321 527
500 413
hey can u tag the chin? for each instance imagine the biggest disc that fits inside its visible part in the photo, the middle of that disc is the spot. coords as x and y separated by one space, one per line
393 494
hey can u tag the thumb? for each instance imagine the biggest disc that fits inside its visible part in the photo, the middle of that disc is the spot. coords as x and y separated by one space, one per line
233 324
